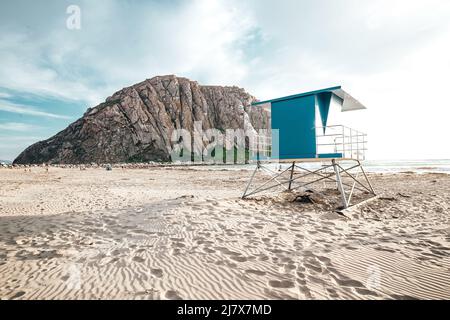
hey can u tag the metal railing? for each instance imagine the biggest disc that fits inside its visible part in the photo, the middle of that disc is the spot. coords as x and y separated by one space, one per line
339 139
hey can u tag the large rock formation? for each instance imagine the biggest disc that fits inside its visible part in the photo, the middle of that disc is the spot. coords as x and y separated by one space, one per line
136 123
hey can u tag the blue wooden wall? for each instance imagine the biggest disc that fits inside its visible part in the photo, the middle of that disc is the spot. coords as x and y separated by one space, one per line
295 119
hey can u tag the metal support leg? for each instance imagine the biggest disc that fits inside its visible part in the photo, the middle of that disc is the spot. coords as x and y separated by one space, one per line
339 183
292 175
251 179
367 179
353 189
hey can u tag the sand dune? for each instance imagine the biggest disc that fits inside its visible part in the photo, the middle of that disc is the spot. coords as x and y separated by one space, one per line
185 234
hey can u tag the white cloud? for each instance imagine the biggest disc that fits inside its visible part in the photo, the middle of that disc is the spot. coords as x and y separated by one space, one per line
199 39
17 126
27 110
32 73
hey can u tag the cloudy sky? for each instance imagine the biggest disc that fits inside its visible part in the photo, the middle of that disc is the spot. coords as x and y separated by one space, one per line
393 55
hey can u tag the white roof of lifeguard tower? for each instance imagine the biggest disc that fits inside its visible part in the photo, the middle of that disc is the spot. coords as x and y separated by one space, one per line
348 102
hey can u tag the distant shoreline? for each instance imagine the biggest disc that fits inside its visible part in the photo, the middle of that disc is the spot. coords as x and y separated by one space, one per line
372 166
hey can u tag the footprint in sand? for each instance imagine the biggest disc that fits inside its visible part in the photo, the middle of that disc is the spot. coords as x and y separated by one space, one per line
256 272
178 244
174 251
118 252
332 293
285 259
238 258
271 294
157 272
266 240
231 264
172 295
304 290
348 282
314 266
403 297
263 257
282 284
366 292
288 267
208 250
18 295
324 260
138 259
257 226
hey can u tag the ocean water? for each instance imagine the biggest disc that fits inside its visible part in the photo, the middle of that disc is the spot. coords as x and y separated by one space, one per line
375 166
420 166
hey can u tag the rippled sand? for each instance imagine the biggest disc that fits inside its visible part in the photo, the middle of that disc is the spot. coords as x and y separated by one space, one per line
169 233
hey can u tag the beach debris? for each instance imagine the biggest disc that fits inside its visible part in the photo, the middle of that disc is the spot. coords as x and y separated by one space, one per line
310 196
85 241
369 213
304 198
388 198
185 196
108 167
321 201
403 195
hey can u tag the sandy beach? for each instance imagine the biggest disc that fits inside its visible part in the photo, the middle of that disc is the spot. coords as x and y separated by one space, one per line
184 233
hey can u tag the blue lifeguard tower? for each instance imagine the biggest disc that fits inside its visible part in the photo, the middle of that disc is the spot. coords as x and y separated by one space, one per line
298 132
